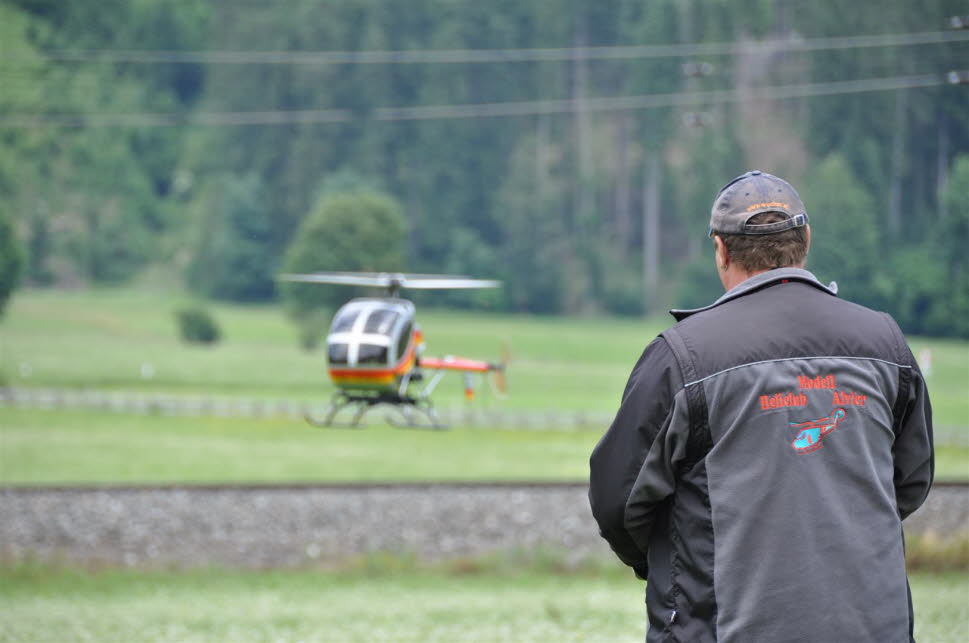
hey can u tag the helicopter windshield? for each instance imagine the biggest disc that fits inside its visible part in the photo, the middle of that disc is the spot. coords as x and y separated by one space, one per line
344 319
337 353
371 354
381 322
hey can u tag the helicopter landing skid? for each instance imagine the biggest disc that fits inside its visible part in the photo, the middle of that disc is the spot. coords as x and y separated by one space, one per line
413 412
412 418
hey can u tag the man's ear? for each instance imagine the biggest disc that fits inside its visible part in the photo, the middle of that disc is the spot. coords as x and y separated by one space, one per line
720 250
807 244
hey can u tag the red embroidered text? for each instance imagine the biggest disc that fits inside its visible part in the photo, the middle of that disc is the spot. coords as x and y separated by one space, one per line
781 400
826 381
843 398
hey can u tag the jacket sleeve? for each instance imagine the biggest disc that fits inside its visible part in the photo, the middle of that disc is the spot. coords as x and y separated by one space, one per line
618 458
913 451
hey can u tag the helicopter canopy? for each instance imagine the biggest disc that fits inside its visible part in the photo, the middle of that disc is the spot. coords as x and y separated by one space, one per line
370 333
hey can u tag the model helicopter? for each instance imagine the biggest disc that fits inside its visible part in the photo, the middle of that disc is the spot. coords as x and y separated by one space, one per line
375 350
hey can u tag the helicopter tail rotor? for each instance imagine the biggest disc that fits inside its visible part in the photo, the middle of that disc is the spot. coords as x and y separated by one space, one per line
499 383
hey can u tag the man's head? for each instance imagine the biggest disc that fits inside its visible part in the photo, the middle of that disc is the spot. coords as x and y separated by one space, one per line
758 223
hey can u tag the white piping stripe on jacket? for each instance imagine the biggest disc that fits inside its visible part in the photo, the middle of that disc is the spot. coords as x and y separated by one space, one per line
791 359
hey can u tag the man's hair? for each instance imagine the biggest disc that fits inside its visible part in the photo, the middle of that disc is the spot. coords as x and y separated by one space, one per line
758 252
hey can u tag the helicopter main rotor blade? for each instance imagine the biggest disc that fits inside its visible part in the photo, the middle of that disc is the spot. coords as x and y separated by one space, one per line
449 283
341 279
418 275
392 280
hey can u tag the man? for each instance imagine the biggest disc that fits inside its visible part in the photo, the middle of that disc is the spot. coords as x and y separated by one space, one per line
767 448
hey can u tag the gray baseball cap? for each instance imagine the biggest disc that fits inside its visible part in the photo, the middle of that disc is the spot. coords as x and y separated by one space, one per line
753 193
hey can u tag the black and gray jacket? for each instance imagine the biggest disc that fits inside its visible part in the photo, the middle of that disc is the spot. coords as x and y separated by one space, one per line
757 473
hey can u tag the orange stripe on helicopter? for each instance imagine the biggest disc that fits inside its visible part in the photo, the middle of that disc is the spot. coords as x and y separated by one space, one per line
364 381
374 375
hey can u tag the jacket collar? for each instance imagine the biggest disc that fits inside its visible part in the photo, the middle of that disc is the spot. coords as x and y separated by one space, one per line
763 280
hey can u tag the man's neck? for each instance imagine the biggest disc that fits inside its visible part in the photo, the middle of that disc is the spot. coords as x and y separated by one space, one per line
734 276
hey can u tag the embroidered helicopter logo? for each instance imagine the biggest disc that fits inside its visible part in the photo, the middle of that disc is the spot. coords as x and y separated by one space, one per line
811 433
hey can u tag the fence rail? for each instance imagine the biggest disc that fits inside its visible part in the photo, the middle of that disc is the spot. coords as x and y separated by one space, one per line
143 403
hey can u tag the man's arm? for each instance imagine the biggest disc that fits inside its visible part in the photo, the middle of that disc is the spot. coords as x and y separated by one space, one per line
617 461
913 450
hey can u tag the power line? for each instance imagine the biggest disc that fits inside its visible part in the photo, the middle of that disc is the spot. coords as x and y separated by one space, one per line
649 101
451 56
174 119
474 110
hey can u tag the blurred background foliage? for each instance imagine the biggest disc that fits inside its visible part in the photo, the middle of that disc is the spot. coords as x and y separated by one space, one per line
552 203
11 258
356 230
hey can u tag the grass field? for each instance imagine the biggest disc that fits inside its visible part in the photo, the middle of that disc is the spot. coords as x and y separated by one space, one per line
458 602
101 339
66 447
85 447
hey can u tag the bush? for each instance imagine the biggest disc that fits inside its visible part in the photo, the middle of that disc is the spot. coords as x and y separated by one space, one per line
197 326
354 231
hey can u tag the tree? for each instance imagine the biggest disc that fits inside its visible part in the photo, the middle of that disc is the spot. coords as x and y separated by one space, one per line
361 230
951 314
846 233
11 258
92 200
932 277
548 202
233 257
534 249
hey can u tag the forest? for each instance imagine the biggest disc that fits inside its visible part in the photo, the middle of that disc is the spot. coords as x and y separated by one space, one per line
571 148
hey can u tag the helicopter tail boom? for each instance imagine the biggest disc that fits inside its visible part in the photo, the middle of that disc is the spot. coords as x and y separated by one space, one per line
458 364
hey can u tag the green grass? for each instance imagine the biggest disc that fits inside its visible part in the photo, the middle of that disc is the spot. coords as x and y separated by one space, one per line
952 463
948 384
101 338
41 447
447 603
65 447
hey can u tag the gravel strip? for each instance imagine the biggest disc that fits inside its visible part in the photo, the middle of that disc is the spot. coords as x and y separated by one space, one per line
301 525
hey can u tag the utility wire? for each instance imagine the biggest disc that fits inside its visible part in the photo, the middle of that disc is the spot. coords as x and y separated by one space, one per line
648 101
451 56
474 110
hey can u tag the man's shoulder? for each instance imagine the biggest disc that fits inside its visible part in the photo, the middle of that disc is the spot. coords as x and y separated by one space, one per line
657 355
657 368
789 300
788 320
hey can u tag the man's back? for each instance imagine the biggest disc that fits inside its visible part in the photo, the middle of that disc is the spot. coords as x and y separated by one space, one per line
770 496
